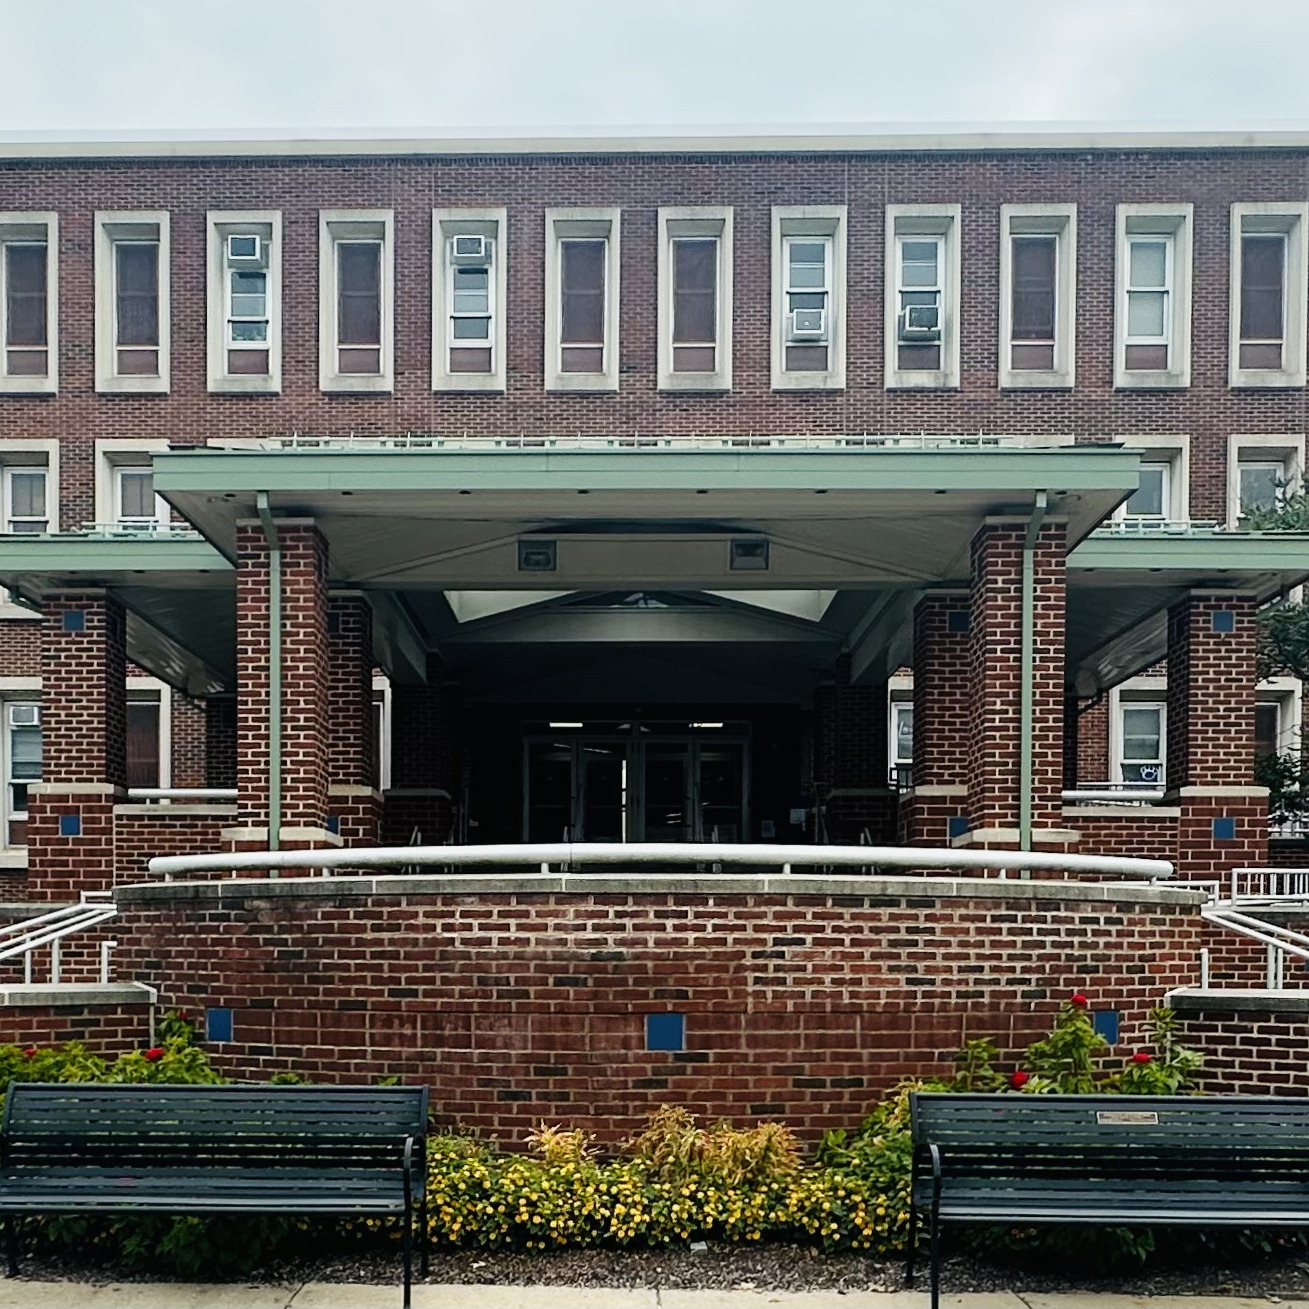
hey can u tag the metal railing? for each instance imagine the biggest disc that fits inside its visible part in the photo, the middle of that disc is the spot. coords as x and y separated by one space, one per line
576 855
1133 794
641 441
1246 889
1152 527
31 934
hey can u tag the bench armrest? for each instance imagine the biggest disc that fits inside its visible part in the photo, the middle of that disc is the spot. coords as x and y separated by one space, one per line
410 1144
935 1151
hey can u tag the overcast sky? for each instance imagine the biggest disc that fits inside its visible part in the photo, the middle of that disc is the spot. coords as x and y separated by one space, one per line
187 65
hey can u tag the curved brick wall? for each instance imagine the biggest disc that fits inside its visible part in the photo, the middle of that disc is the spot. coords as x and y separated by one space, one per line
520 1000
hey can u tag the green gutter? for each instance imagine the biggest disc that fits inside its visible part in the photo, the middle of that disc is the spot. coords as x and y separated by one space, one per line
274 671
1026 674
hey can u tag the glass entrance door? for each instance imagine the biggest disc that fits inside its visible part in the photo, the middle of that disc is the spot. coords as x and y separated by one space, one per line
720 792
602 804
667 809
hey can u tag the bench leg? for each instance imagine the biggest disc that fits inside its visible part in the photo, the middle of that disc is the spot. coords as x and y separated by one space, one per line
423 1237
911 1248
12 1224
936 1259
408 1249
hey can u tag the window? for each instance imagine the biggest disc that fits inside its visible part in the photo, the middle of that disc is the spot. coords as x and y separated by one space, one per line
355 300
1151 498
1268 309
1038 275
922 296
149 733
1152 323
244 302
1277 715
1262 471
581 299
808 351
29 314
26 499
21 765
695 299
1141 743
468 299
381 733
902 741
135 500
1267 728
132 291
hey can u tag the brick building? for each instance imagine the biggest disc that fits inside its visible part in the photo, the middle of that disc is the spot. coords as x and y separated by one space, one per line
840 489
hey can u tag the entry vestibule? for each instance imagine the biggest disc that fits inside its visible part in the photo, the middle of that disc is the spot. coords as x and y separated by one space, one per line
636 781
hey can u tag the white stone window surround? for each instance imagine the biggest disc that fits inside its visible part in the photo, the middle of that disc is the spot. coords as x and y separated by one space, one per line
36 452
582 224
336 225
492 223
899 695
112 225
152 690
112 453
34 227
1288 450
1291 218
1145 690
1176 222
1060 222
691 222
382 699
20 690
924 220
219 225
828 222
447 223
1173 449
1287 693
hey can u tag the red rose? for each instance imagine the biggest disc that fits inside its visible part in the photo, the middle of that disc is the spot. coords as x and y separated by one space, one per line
1019 1079
1140 1057
1080 1000
30 1052
155 1053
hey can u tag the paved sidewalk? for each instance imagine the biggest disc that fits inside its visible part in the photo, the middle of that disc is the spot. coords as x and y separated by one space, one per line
336 1295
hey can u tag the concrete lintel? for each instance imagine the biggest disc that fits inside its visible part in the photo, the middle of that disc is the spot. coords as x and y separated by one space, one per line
296 835
1008 836
1193 999
60 994
76 788
490 886
173 811
1135 812
1217 793
350 788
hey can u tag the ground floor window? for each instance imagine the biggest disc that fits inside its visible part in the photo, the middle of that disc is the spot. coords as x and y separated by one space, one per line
1141 743
21 765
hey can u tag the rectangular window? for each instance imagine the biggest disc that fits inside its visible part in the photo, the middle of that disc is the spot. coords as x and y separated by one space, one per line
143 742
582 306
22 765
28 304
695 304
902 741
1268 294
1263 300
1038 273
25 499
808 297
132 291
1152 319
581 299
468 299
356 271
1142 743
923 296
135 500
1267 728
1151 499
244 301
1262 484
1262 471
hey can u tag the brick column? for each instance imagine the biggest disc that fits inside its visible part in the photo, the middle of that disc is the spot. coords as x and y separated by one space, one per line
1210 774
304 686
426 763
995 652
852 743
939 795
355 801
70 829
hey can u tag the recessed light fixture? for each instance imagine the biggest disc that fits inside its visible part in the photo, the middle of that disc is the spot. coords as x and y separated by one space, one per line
559 725
749 556
706 725
536 556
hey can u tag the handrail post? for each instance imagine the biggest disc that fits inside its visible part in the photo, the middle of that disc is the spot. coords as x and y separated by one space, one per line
54 961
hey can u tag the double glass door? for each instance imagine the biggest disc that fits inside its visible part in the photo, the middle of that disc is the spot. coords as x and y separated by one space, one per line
615 788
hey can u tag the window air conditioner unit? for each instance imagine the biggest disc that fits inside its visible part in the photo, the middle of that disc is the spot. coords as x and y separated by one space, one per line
24 715
920 323
245 248
808 324
470 249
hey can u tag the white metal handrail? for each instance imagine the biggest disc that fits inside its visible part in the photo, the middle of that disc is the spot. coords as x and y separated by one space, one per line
1262 888
1109 794
581 854
30 934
